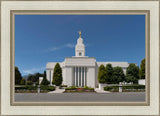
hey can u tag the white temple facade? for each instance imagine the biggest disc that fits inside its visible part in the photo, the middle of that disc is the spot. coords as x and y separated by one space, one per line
80 70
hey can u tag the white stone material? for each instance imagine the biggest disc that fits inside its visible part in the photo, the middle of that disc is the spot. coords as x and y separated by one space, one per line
68 76
102 85
80 48
40 80
120 88
141 82
79 61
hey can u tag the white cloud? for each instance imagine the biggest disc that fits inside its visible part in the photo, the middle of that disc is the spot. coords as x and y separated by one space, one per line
33 70
69 45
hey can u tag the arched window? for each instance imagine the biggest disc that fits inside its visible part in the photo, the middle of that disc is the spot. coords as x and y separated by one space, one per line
80 53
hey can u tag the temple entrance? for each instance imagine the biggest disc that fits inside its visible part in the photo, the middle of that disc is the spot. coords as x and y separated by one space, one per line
80 76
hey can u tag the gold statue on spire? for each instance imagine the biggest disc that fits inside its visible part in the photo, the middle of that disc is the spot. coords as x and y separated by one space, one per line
80 34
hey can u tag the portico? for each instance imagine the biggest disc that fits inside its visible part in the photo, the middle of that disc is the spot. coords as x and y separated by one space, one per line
80 76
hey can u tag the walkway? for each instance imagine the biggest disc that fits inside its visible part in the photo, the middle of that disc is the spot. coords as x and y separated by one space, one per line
101 91
57 90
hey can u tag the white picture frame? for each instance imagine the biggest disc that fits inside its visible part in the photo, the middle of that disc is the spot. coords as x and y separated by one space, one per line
8 109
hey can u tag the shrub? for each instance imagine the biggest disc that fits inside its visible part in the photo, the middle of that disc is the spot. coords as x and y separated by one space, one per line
45 81
134 87
118 75
73 87
63 85
31 87
21 88
111 88
102 75
142 69
91 88
18 76
57 75
132 73
36 83
70 88
29 82
49 88
109 70
86 87
23 81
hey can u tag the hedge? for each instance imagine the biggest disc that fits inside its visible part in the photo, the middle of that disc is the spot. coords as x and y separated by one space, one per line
27 87
49 88
63 86
109 88
75 88
31 87
134 87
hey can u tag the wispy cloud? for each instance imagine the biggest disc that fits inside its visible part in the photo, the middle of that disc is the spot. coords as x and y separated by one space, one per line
69 45
33 70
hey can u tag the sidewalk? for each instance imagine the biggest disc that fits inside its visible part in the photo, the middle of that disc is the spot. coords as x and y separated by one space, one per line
57 90
101 91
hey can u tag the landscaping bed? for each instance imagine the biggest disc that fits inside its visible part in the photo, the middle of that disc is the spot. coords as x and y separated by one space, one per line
73 89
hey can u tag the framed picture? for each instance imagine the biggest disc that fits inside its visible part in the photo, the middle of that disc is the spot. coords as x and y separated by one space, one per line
80 58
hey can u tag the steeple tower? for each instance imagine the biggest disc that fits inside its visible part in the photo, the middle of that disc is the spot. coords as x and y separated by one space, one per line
80 47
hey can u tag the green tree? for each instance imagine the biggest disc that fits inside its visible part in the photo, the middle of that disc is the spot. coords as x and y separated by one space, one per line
57 75
102 77
132 73
45 81
18 76
23 81
44 74
142 69
118 75
109 70
34 77
29 83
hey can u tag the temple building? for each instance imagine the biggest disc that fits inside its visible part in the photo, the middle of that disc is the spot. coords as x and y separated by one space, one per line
80 70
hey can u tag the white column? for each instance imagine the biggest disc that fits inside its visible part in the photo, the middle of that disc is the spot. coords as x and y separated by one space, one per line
81 75
78 76
84 77
75 76
50 77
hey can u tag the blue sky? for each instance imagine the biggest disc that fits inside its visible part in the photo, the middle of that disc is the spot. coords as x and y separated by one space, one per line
50 38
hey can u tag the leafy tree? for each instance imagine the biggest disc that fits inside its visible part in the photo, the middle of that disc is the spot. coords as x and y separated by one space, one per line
30 77
109 70
131 78
34 77
23 81
118 75
29 83
142 69
102 77
132 73
18 76
57 75
44 74
45 81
